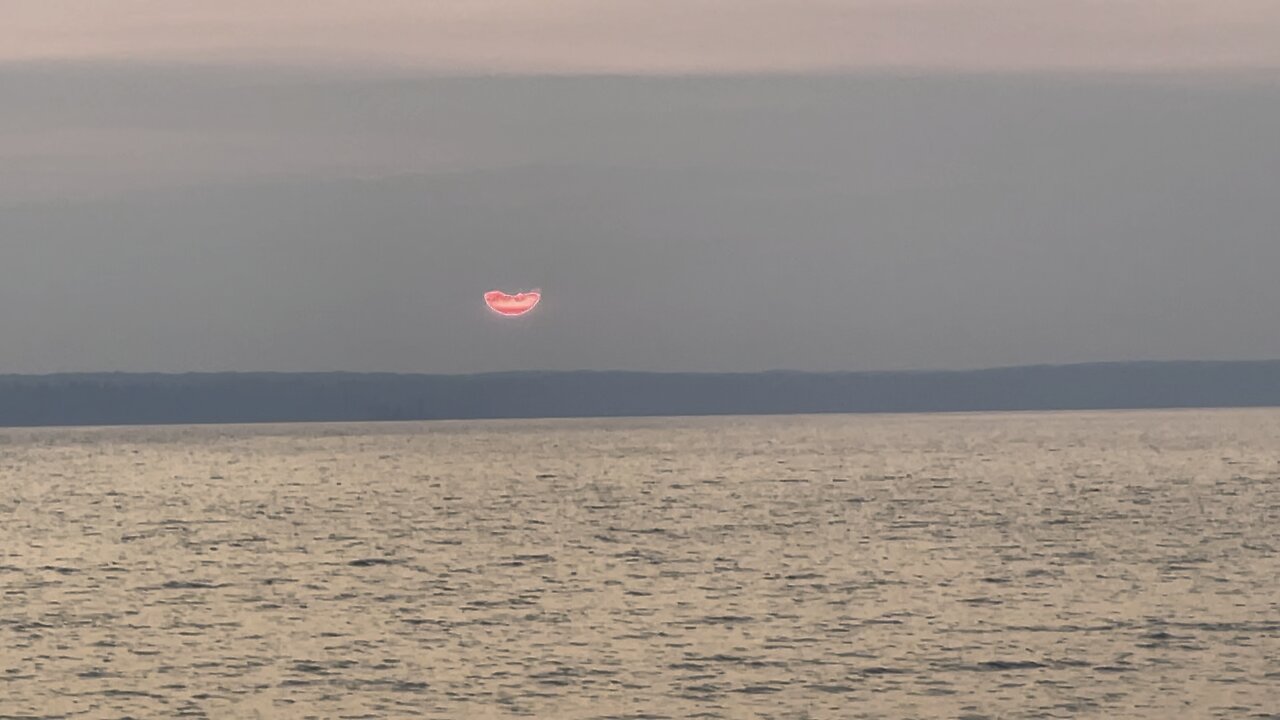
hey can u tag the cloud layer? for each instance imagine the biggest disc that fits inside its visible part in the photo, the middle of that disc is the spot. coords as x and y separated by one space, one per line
251 220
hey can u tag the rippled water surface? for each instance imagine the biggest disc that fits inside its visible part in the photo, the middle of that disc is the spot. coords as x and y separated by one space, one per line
1117 565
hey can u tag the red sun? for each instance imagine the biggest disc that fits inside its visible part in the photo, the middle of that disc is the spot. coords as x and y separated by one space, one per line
512 305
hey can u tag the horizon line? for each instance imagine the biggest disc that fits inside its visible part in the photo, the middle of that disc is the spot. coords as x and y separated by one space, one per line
623 371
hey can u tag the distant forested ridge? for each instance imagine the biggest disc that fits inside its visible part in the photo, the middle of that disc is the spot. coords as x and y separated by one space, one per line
124 398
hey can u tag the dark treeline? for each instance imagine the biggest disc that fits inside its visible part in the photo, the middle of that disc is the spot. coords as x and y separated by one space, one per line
115 398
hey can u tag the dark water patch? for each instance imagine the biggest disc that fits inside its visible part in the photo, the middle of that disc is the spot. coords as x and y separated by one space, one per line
877 670
560 677
717 658
720 620
637 555
1238 627
1162 636
833 689
507 603
982 601
189 585
997 666
371 562
118 692
791 642
20 625
705 689
644 531
765 663
319 668
998 629
395 686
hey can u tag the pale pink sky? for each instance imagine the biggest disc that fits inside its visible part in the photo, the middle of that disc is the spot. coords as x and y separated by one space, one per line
654 36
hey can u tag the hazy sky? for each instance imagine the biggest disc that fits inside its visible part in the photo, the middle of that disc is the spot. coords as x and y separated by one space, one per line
304 186
655 35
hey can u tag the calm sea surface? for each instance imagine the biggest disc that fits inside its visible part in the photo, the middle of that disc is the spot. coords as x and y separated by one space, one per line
1056 565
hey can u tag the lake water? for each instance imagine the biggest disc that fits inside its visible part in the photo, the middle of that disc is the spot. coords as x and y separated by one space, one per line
1047 565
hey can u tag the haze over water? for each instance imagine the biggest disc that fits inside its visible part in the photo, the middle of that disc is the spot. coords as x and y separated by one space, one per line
1113 564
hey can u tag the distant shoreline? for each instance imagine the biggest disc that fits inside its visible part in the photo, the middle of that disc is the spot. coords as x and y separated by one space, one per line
95 399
